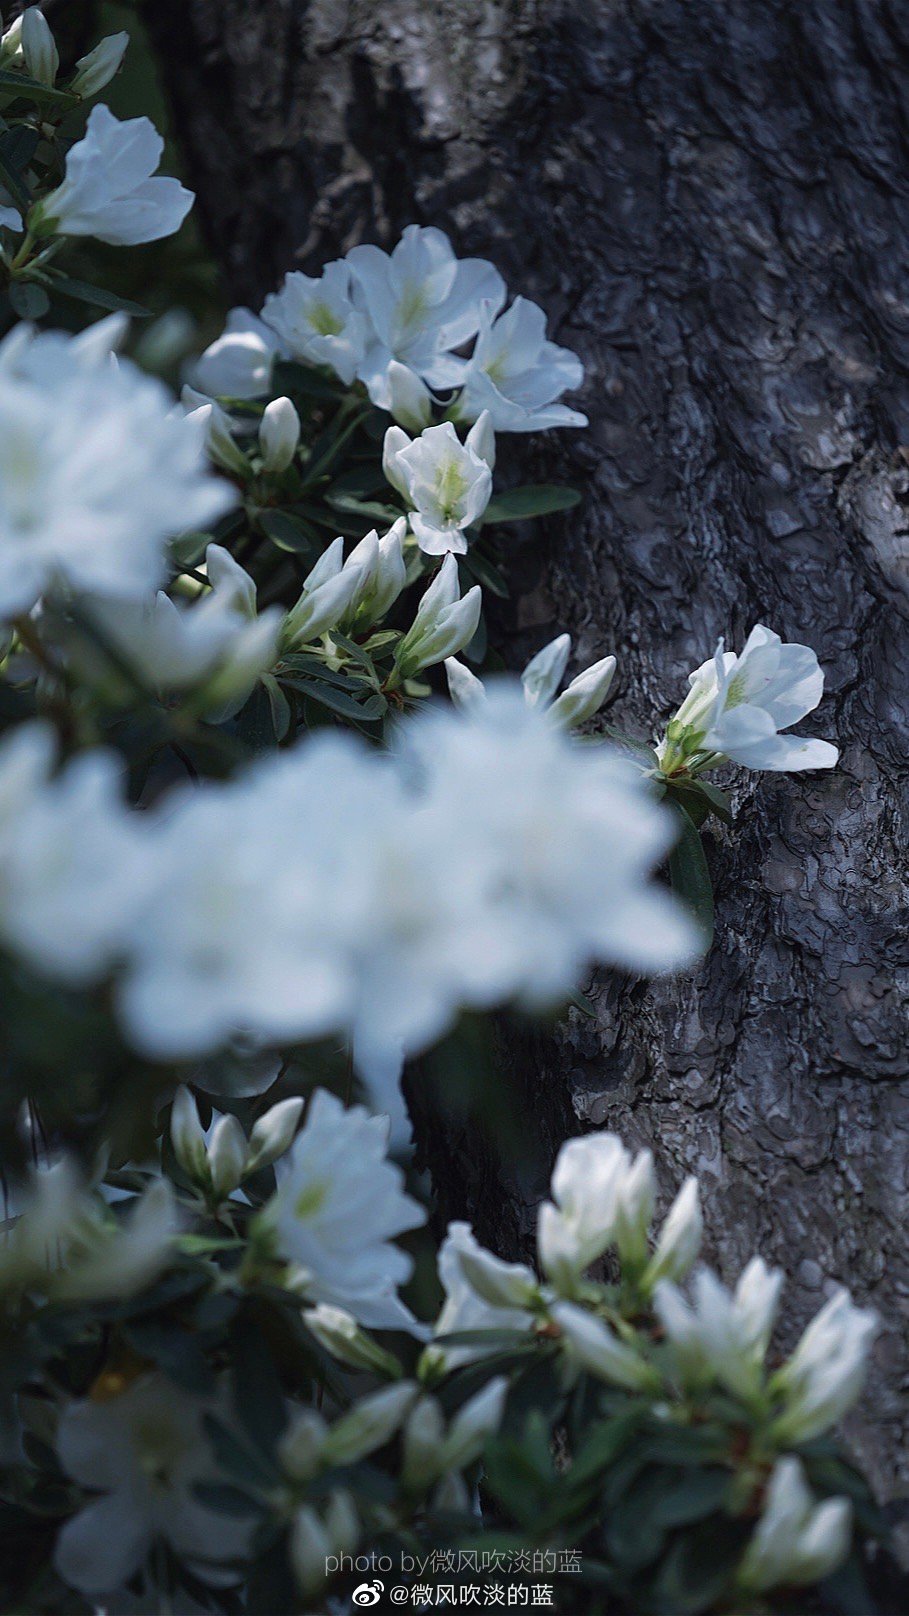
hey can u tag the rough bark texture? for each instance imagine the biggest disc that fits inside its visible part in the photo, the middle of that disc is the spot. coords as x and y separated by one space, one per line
712 202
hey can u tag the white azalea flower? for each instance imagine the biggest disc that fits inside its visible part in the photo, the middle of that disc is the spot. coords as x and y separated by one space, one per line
796 1540
74 862
827 1370
444 481
338 1207
315 321
723 1334
444 622
517 375
260 888
464 1309
96 470
216 648
143 1451
737 705
540 681
556 841
422 302
67 1241
239 363
109 191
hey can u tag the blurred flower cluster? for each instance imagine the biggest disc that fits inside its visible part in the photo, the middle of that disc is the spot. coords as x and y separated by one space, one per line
663 1404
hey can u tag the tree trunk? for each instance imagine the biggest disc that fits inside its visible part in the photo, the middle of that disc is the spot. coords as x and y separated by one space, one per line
711 203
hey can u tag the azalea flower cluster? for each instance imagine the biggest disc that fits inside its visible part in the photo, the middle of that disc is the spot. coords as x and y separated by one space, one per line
399 323
145 1462
332 888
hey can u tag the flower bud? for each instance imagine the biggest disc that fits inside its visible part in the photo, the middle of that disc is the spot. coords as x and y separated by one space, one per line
543 674
827 1370
188 1136
464 688
369 1424
424 1434
598 1349
796 1541
310 1548
585 694
279 435
321 609
99 66
634 1210
680 1238
300 1448
443 624
42 58
340 1334
219 442
502 1284
226 1155
11 43
479 1417
273 1133
410 400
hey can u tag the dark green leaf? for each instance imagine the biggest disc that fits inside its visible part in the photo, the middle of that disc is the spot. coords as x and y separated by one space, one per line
97 296
11 174
690 875
279 704
485 572
535 499
32 90
338 701
718 800
291 377
290 533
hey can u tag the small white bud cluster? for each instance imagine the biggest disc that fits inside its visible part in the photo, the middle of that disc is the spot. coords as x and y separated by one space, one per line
217 1159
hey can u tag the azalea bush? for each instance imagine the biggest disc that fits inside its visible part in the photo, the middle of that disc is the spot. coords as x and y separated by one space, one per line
269 829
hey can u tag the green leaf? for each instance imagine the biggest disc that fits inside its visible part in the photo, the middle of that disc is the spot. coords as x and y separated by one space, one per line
338 701
485 572
290 533
291 377
535 499
279 704
11 174
97 296
33 90
690 875
718 800
29 300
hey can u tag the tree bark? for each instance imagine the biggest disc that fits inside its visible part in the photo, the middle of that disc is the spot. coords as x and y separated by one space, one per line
711 203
